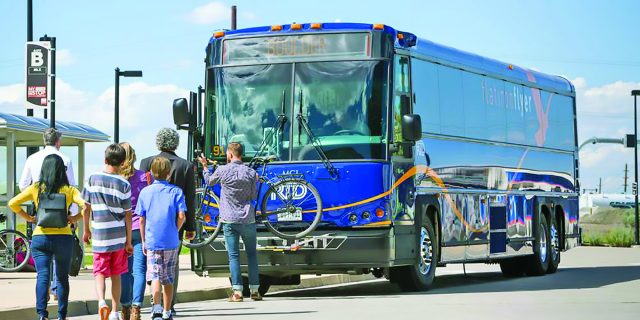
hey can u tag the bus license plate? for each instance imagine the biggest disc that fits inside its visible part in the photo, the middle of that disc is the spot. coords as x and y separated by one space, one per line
290 216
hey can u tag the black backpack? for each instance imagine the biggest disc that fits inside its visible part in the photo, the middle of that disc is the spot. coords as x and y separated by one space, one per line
52 210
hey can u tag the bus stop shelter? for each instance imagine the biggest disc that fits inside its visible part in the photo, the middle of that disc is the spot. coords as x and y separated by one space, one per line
21 131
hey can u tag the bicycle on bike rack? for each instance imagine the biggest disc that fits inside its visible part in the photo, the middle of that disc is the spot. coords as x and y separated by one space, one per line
290 208
15 249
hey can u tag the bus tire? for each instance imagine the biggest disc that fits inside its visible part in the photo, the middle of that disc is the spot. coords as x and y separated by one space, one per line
512 268
554 246
420 276
538 263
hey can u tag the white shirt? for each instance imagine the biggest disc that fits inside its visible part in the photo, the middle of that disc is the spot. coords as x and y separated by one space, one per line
33 165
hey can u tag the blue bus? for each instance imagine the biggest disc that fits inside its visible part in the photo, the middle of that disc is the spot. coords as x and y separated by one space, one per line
437 155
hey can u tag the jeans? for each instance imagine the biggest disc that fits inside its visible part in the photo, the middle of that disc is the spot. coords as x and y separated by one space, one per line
232 234
54 280
133 282
46 248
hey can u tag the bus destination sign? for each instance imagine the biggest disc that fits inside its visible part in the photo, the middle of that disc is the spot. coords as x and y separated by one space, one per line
299 47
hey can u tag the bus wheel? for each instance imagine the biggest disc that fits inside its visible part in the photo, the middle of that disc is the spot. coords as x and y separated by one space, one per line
538 263
512 268
554 246
419 276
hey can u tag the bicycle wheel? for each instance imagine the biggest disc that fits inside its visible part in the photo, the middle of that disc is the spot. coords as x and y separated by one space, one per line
15 250
207 221
291 208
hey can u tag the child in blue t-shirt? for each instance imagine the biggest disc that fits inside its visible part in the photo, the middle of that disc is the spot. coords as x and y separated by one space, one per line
161 207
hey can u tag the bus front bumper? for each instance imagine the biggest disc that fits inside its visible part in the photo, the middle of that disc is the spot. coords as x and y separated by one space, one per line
328 251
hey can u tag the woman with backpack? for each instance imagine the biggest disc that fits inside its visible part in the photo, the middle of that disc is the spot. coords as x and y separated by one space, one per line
133 282
52 238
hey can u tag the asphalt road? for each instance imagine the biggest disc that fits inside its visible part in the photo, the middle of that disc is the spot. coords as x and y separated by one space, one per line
592 283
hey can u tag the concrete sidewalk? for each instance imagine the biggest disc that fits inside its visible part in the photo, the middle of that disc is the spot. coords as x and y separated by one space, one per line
18 291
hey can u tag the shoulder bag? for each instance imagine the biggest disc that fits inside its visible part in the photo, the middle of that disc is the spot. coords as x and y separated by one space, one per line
77 256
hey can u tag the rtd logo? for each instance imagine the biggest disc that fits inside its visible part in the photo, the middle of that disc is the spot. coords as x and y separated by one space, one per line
296 191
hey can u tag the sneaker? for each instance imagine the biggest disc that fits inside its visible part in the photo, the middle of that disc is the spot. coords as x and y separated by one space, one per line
255 296
135 313
156 313
235 297
104 312
126 312
173 312
117 315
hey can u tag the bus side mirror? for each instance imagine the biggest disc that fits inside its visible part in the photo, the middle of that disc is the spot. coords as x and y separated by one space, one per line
180 112
411 127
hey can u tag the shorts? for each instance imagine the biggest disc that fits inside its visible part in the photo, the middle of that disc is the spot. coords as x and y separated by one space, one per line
110 263
161 265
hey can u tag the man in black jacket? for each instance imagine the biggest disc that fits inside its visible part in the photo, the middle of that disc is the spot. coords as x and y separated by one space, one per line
183 176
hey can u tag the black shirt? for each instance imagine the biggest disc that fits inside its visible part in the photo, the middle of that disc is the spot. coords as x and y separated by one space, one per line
183 176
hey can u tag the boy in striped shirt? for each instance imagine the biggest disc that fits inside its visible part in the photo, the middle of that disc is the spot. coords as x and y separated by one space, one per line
110 197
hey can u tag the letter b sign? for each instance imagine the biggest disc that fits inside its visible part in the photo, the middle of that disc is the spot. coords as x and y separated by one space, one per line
37 58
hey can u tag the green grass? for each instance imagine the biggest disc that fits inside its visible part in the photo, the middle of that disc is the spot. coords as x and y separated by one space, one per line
88 259
609 216
629 219
618 237
609 227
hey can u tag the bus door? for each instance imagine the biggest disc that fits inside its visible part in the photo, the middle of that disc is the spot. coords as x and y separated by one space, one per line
401 154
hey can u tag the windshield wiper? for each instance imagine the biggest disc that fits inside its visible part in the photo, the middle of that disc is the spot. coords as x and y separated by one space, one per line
279 125
302 123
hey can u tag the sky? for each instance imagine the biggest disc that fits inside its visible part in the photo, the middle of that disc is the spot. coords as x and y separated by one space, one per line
592 43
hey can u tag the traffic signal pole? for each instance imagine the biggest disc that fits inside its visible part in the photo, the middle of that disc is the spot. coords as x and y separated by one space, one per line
635 94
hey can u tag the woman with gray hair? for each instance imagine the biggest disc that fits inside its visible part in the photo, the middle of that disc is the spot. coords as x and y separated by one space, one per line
183 176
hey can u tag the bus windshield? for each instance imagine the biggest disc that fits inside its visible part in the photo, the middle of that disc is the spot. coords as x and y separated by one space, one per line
342 102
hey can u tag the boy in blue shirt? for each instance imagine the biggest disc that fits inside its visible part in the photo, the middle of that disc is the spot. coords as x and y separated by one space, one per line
161 207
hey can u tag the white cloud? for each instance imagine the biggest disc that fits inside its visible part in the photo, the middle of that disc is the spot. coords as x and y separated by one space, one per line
210 13
216 12
579 83
605 112
64 58
11 94
247 15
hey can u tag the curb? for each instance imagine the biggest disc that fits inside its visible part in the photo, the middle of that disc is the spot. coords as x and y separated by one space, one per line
89 307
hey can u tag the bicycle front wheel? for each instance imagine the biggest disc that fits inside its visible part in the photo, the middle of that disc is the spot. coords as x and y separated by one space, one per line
15 250
207 221
291 208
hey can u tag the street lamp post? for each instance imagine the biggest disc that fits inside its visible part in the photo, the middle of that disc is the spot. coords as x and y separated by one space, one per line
635 94
118 74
